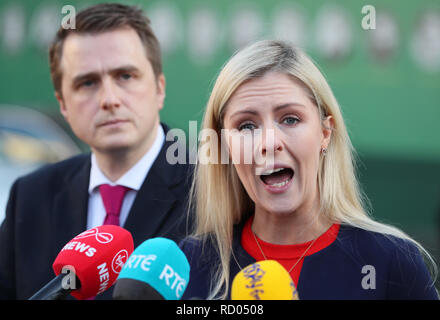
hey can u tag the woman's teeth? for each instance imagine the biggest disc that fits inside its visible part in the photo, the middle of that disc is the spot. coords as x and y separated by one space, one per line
280 184
277 177
265 173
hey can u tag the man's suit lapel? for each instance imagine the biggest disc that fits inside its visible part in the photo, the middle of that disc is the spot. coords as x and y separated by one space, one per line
71 203
154 199
150 209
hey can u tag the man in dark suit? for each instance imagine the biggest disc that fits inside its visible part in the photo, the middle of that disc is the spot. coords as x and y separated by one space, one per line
109 83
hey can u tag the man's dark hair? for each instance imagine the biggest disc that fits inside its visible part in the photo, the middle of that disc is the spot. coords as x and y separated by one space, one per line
102 18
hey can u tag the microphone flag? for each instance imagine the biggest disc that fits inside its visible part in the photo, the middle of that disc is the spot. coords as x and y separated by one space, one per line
263 280
96 256
161 264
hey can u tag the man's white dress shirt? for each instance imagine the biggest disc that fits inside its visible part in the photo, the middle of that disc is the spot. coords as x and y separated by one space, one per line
133 179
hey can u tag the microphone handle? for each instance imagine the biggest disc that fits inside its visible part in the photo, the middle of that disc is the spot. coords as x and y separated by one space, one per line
54 290
132 289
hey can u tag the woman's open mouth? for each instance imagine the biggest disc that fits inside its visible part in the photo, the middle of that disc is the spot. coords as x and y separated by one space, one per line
277 179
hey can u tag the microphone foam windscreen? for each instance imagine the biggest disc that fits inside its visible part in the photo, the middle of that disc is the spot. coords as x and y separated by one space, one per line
96 256
263 280
160 263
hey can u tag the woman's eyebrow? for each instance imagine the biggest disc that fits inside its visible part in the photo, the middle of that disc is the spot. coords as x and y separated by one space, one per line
237 113
289 104
276 108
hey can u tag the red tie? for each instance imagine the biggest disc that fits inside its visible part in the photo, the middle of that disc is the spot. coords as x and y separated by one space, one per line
112 196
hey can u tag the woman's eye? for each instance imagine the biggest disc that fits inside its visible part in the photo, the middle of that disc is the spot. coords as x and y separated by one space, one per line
246 126
290 120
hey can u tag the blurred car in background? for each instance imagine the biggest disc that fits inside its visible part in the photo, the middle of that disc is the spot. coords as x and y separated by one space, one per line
28 140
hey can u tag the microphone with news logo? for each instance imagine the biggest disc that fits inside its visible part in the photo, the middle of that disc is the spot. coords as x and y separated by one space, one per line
93 260
156 270
263 280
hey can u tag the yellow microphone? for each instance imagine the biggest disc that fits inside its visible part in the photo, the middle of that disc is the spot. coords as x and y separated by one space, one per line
263 280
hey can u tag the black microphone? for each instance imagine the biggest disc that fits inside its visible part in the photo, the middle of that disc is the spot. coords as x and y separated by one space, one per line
132 289
156 270
58 288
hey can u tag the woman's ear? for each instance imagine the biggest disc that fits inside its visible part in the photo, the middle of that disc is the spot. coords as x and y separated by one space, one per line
328 124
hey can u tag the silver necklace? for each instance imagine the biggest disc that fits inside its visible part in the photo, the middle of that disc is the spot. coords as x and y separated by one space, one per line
264 256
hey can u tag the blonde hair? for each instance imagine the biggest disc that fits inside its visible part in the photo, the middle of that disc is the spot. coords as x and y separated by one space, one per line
217 195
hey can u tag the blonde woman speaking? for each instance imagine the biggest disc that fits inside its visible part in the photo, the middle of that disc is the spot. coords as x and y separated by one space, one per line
288 190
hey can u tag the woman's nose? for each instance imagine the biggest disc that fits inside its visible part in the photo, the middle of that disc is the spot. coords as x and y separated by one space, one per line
268 145
270 141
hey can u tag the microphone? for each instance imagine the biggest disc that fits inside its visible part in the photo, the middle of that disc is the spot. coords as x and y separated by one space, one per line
94 258
156 270
263 280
